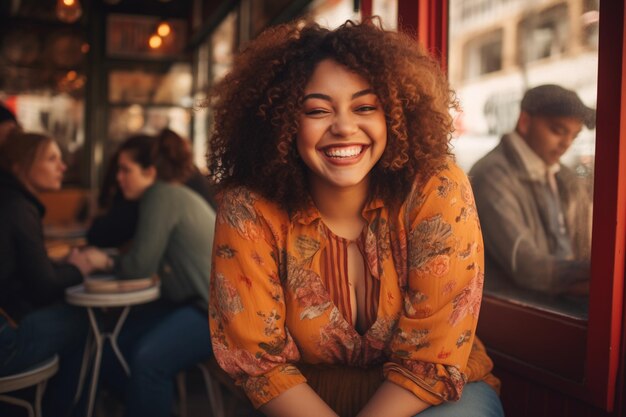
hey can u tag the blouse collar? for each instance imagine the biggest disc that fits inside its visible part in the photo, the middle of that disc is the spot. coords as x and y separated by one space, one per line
310 213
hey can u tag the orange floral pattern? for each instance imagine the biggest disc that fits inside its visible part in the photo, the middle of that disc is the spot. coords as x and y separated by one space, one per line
270 310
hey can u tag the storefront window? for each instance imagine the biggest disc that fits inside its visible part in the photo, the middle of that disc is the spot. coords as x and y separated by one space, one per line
42 81
496 54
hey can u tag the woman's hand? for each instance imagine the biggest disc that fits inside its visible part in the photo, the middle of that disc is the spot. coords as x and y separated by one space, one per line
99 259
80 261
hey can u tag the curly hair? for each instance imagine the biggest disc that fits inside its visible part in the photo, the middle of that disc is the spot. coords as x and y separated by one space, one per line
256 108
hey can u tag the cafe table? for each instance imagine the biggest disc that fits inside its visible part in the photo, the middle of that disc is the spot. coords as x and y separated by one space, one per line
60 239
122 294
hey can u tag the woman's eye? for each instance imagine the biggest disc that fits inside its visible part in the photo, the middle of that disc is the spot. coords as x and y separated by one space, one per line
365 109
315 112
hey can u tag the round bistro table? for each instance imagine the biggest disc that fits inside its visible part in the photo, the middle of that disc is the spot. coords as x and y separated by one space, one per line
78 296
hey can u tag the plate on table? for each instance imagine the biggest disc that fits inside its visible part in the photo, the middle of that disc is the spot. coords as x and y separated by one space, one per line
65 232
109 284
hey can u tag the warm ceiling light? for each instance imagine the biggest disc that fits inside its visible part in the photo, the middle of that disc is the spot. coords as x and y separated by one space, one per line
155 41
68 11
164 29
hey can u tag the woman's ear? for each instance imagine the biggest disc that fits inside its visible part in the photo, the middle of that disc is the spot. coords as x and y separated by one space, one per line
150 172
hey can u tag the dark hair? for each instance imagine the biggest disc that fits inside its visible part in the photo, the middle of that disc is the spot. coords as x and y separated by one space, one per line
552 100
256 108
19 151
167 152
6 115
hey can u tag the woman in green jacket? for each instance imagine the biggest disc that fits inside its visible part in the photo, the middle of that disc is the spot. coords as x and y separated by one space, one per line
173 240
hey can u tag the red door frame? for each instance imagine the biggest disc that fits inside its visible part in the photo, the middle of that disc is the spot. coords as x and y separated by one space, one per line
427 20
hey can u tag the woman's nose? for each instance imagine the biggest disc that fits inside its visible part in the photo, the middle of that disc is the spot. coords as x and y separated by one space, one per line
344 125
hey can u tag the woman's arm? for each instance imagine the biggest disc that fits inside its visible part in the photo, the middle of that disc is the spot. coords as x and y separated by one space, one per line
45 279
392 400
247 309
433 339
299 401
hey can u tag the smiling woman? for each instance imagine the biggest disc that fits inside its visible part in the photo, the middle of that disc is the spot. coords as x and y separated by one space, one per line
347 259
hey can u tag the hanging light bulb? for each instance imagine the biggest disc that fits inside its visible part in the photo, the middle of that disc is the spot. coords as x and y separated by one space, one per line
155 41
164 29
68 11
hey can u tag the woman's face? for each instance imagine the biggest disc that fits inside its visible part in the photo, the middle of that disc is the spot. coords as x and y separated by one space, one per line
46 172
133 179
342 131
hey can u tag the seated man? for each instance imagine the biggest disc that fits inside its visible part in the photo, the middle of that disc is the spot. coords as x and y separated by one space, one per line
535 212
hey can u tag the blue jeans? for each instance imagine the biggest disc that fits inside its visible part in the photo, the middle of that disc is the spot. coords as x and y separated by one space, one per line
59 329
478 400
158 340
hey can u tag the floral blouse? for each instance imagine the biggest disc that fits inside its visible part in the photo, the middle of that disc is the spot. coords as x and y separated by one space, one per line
269 307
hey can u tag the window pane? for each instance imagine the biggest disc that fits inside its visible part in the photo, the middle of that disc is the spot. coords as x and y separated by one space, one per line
531 161
125 121
42 80
143 85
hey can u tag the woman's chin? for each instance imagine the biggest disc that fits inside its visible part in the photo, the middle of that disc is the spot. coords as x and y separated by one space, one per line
128 195
48 188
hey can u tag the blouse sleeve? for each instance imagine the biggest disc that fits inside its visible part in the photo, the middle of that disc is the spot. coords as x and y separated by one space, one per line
434 337
247 307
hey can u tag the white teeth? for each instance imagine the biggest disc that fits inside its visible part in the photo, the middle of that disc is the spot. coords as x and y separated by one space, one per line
346 152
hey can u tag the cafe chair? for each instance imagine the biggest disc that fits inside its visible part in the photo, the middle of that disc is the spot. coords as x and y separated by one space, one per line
213 389
37 376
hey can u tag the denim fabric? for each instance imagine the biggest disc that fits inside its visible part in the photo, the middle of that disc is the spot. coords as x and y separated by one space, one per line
59 329
158 341
478 400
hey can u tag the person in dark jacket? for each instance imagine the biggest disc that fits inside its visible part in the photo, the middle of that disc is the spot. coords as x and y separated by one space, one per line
8 122
117 225
35 324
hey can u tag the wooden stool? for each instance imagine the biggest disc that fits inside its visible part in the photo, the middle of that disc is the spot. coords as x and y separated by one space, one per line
214 379
38 376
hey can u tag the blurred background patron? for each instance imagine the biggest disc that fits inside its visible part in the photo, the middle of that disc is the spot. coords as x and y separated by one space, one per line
173 239
535 212
35 324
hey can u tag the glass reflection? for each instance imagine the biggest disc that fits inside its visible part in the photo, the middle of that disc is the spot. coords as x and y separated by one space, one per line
529 151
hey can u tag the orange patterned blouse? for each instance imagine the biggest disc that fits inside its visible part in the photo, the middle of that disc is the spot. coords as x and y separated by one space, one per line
271 306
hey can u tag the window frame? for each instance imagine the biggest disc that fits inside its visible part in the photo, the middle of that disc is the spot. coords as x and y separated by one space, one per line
596 341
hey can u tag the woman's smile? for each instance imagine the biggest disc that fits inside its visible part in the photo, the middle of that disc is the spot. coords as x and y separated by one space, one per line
344 153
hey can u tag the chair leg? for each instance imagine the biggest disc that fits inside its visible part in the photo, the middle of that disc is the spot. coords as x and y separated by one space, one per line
19 402
213 392
39 391
181 386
